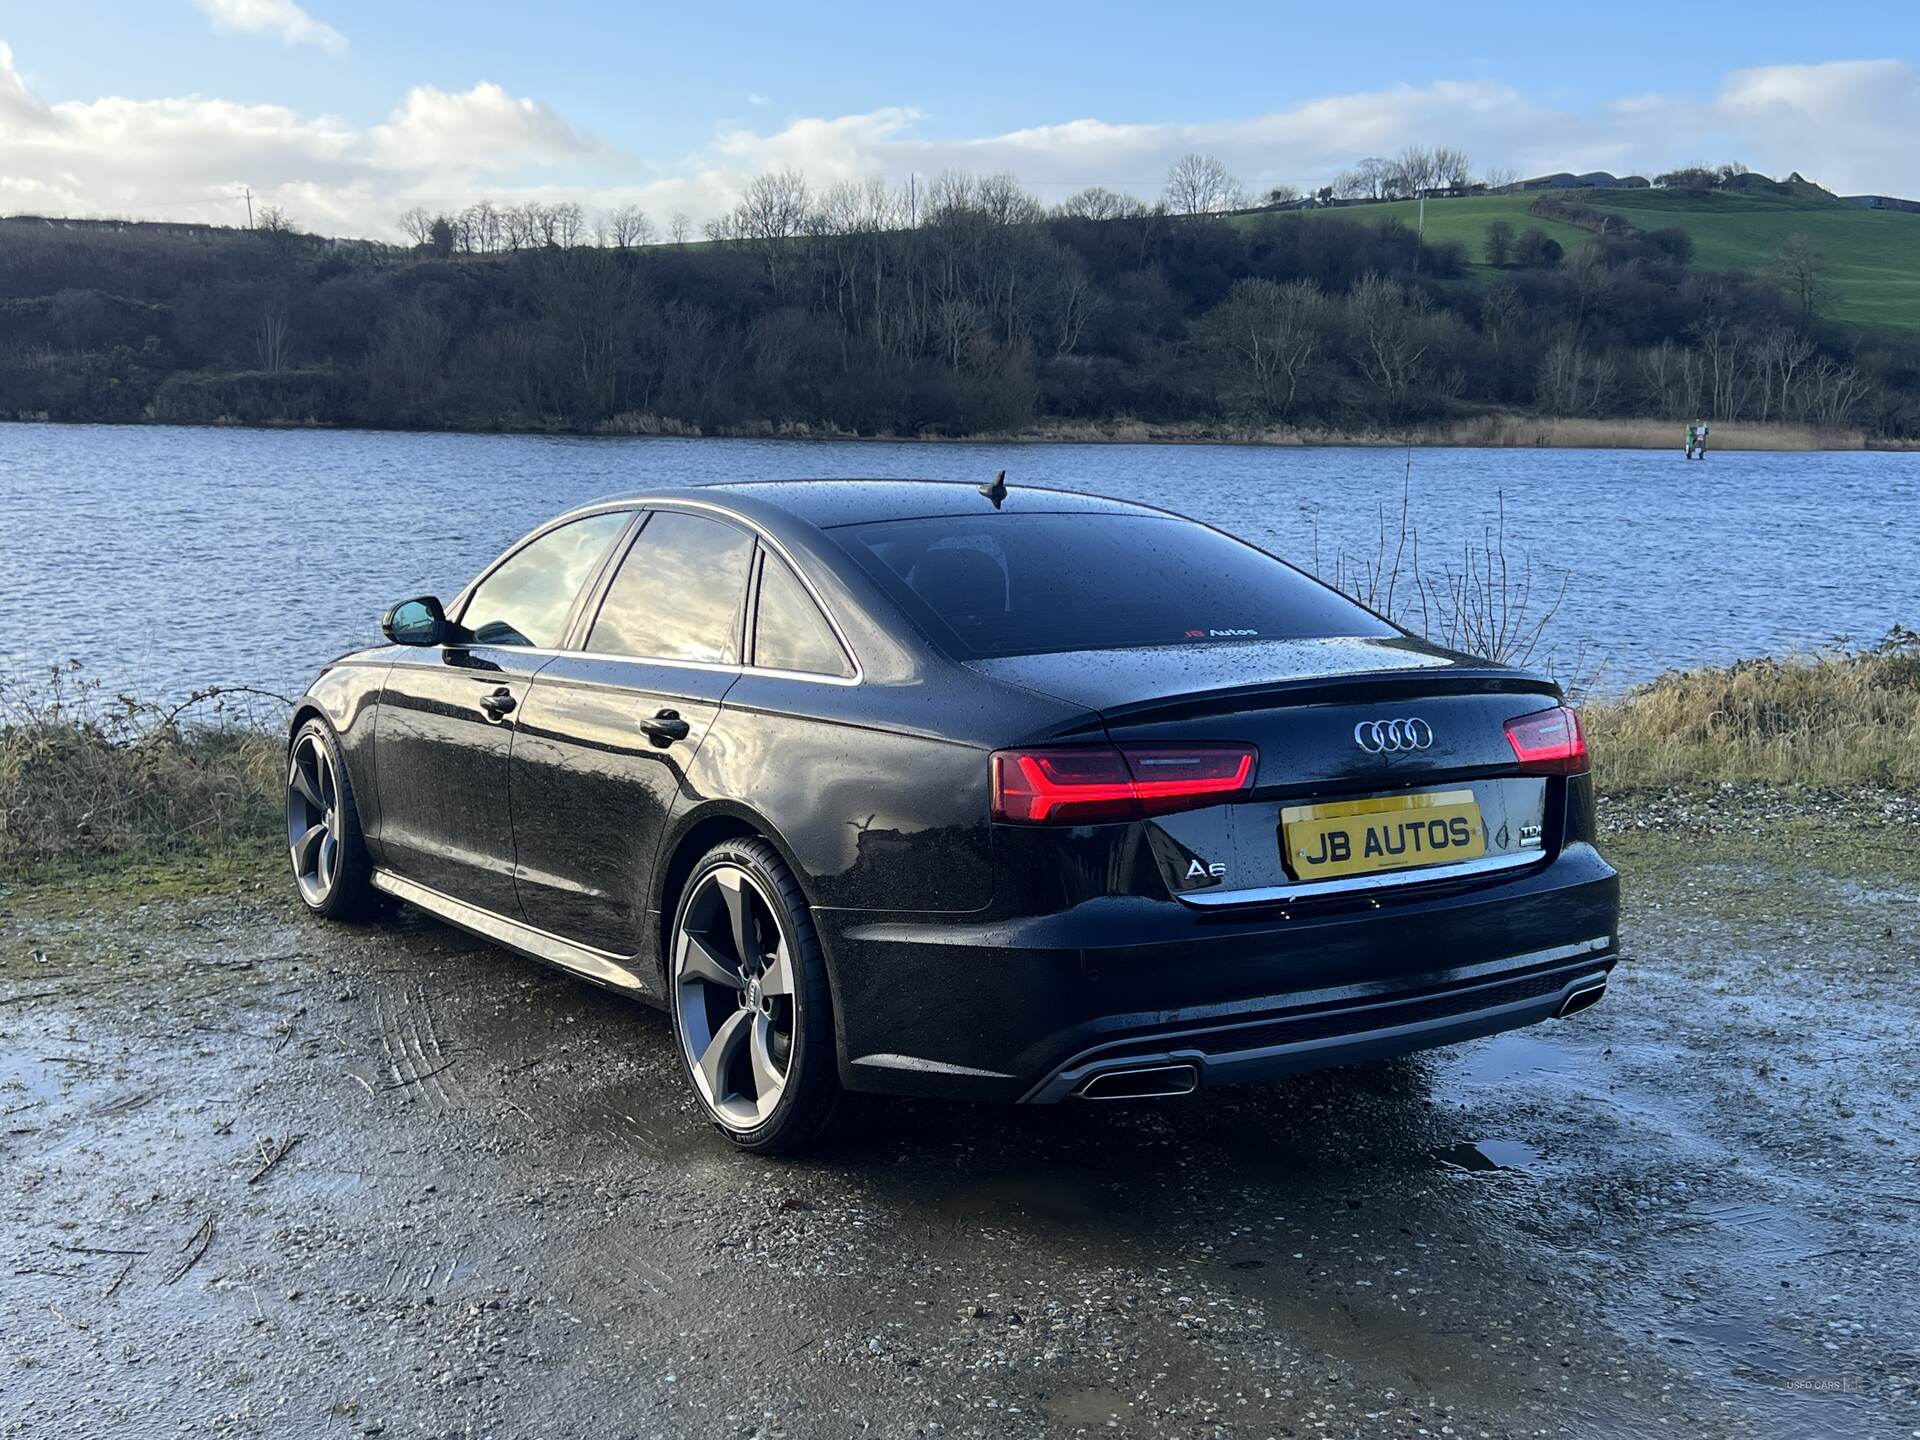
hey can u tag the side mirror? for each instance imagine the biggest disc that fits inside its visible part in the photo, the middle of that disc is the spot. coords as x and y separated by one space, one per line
417 622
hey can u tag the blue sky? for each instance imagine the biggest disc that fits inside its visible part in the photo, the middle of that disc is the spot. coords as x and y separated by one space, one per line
341 108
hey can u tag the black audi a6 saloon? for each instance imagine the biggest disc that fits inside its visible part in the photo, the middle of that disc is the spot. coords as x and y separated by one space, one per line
936 789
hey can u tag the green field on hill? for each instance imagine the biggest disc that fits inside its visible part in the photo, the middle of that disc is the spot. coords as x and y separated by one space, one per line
1874 254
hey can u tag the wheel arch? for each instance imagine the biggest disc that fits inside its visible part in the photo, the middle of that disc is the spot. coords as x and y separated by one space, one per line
693 836
306 710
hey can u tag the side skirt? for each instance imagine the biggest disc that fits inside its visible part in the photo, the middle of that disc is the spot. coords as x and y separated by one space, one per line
613 971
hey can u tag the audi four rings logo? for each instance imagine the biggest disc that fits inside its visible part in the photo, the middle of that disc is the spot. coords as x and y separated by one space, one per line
1392 737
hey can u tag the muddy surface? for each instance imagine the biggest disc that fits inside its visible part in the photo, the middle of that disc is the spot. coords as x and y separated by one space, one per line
261 1176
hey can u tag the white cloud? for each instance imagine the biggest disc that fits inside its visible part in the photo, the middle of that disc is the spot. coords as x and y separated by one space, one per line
272 17
1846 125
484 128
758 101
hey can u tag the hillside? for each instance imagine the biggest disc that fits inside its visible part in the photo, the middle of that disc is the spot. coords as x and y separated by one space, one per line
983 318
1873 255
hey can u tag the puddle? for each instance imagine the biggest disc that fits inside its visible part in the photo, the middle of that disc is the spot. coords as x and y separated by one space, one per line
1478 1155
29 1082
1511 1056
1093 1408
1750 1349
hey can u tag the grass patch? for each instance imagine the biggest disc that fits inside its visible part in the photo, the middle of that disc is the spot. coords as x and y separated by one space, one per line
88 780
1831 718
63 888
1874 254
1465 219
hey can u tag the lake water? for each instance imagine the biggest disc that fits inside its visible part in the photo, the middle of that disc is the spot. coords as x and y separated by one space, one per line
172 558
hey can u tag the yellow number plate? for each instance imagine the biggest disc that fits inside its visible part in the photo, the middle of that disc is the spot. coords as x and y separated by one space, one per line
1393 832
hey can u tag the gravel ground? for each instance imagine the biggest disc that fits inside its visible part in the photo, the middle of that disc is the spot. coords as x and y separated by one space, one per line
261 1176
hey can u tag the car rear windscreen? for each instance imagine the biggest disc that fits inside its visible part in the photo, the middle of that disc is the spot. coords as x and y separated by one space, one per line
1034 584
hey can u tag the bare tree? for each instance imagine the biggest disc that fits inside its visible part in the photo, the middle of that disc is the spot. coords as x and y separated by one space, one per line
773 207
1412 171
1452 169
771 214
569 224
1729 372
1099 203
1573 379
1201 185
407 363
1273 333
627 227
850 207
519 227
1832 391
1003 201
1367 180
680 228
951 195
1781 353
544 223
1391 346
1282 194
480 228
1500 177
1799 267
417 225
1500 311
271 338
1070 299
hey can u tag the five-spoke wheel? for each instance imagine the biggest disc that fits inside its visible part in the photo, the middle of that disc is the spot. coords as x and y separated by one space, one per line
330 866
749 999
313 818
734 991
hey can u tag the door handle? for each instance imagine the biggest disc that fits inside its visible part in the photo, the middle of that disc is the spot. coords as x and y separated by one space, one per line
665 728
498 704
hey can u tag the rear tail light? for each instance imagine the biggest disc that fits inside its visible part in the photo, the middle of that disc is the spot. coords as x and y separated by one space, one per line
1549 742
1090 785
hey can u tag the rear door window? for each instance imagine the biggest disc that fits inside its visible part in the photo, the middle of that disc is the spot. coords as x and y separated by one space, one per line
1031 584
678 592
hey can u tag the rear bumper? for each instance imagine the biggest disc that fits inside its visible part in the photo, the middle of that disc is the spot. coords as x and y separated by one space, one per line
1033 1008
1341 1034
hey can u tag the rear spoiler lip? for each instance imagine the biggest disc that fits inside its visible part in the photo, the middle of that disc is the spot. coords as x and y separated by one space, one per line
1380 685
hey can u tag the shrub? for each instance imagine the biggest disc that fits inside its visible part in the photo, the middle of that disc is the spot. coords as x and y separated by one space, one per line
1833 717
86 775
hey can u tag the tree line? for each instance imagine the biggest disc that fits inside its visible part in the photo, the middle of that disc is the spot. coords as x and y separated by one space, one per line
962 307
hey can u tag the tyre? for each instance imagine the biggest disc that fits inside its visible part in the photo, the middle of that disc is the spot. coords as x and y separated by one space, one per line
752 1017
331 869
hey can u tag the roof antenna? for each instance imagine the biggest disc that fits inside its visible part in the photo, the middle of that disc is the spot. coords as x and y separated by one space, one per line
997 491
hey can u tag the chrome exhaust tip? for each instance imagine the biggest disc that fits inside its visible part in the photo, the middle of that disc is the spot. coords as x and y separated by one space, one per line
1148 1082
1583 997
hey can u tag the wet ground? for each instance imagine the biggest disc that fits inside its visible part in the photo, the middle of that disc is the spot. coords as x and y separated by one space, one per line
259 1176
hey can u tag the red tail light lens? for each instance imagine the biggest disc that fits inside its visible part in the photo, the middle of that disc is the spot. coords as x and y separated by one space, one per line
1549 742
1090 785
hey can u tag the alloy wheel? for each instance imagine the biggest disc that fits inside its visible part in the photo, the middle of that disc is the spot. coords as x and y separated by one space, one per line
733 992
313 819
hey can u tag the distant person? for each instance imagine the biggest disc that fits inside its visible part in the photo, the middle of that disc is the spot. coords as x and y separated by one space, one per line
1700 441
